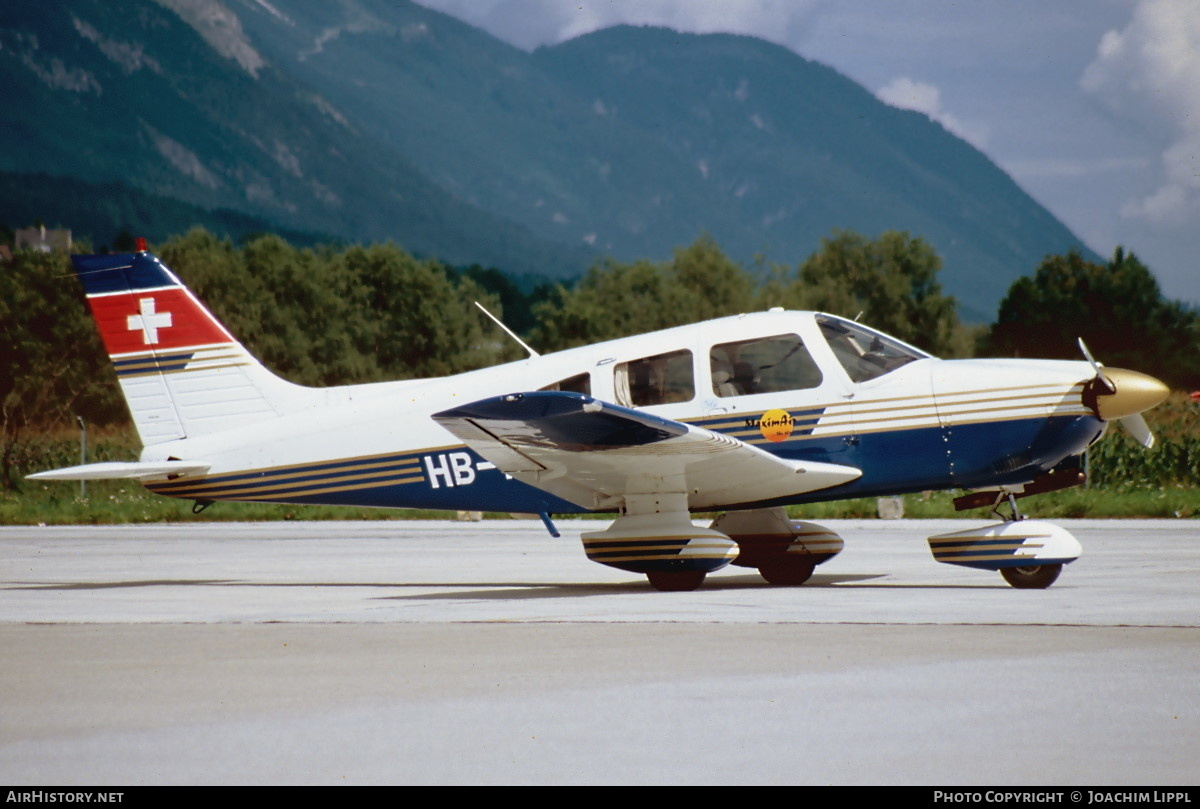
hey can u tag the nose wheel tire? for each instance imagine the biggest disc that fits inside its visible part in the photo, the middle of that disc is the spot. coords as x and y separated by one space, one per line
1034 577
676 581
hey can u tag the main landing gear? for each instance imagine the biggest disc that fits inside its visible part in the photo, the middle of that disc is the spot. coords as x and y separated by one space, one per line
787 572
656 537
676 556
785 551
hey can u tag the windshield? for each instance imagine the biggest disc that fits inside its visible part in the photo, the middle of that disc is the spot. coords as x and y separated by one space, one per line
864 353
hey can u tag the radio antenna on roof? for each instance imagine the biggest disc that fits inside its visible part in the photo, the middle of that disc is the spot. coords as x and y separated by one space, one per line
507 330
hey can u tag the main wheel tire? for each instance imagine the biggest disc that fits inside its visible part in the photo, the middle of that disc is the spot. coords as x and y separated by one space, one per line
787 572
676 581
1034 577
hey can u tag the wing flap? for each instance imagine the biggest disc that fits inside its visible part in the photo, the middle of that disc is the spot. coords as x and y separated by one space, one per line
595 454
118 470
506 457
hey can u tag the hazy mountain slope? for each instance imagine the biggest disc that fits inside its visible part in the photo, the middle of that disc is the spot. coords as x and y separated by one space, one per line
636 140
789 149
98 212
482 118
376 119
132 91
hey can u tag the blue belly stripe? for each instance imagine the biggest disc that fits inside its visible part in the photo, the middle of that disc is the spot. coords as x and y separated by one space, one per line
893 462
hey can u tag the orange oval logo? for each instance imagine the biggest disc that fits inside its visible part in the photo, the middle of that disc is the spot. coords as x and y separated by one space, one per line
776 425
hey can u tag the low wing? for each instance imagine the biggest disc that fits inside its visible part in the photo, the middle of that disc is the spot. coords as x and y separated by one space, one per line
594 453
115 470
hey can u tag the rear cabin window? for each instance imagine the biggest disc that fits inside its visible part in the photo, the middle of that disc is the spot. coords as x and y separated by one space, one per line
763 365
580 383
661 379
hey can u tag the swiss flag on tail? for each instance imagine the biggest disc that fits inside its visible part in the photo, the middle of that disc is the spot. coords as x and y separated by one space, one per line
155 320
140 306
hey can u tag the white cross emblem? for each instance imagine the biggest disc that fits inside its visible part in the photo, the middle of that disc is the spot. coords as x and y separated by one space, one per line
149 321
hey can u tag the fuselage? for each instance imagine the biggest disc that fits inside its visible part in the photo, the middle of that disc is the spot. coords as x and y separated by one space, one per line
802 385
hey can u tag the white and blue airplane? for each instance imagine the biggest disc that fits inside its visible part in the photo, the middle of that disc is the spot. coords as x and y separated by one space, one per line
742 415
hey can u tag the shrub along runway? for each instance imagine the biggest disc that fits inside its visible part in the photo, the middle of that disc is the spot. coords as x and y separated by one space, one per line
443 652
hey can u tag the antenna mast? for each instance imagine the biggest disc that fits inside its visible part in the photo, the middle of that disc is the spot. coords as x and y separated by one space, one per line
507 330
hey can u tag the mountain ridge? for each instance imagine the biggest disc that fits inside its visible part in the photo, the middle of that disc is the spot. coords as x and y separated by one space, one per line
373 119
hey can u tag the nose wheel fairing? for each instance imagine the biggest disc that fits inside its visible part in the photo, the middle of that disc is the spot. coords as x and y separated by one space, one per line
1021 547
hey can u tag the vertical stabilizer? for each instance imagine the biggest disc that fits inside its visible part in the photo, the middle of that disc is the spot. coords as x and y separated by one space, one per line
182 373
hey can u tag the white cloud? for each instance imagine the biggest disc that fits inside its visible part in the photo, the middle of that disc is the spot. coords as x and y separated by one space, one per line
907 94
1149 72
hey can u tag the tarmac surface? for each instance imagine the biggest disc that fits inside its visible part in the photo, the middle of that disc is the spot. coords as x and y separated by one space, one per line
456 653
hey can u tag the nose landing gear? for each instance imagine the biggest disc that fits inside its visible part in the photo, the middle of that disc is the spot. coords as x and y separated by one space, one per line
1029 554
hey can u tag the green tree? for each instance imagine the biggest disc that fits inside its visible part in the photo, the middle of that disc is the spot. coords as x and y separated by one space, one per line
251 291
1116 307
891 281
615 299
518 307
325 316
306 311
52 365
714 285
421 321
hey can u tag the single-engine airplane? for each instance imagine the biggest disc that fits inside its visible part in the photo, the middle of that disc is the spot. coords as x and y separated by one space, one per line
743 415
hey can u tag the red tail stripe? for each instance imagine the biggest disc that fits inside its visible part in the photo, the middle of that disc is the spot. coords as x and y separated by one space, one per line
159 320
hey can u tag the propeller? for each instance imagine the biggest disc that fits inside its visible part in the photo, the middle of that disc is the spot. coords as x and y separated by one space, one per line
1123 395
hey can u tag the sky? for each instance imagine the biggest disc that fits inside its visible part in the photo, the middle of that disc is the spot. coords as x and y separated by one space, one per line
1092 106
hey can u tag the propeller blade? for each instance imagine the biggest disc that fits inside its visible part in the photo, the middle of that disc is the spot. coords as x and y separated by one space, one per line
1137 427
1096 366
1129 393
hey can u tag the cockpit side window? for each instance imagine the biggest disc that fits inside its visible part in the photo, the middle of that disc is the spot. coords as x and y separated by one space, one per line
661 379
763 365
864 353
580 383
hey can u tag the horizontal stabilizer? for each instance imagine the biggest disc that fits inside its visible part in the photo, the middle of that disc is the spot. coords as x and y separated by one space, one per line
117 470
598 454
